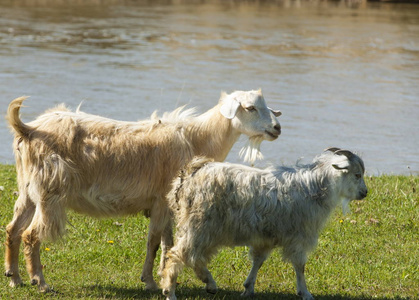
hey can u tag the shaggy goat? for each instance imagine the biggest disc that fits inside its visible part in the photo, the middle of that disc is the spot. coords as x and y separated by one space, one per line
105 168
222 204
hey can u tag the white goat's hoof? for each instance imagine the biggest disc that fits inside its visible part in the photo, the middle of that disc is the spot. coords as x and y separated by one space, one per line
8 273
151 286
15 282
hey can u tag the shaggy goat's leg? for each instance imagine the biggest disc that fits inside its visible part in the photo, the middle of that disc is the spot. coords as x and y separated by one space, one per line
301 281
22 217
166 245
32 245
258 257
170 273
204 274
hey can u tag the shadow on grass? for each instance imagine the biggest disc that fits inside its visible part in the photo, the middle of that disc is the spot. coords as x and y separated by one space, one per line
115 292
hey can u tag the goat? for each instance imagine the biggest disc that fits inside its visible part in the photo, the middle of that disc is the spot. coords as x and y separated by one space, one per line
106 168
222 204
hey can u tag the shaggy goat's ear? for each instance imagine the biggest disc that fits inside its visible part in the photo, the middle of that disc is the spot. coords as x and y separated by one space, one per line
340 162
276 113
229 107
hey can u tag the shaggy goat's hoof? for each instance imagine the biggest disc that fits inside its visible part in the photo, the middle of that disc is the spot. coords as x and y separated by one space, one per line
305 296
34 281
248 294
211 290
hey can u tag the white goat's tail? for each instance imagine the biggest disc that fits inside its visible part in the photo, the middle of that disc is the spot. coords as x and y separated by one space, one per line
20 128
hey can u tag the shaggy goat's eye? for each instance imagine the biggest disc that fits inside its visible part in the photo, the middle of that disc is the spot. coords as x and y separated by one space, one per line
358 176
250 108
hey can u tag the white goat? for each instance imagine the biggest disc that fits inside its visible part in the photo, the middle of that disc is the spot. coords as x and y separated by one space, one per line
105 168
222 204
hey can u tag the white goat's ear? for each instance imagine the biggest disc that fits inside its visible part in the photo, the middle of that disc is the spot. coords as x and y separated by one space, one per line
340 162
229 107
276 113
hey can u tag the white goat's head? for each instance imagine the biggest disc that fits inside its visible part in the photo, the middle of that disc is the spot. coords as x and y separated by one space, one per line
249 115
352 172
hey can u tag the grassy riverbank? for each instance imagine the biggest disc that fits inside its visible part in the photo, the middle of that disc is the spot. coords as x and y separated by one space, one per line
370 253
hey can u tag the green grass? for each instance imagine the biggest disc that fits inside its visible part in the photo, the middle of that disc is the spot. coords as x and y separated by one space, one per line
371 253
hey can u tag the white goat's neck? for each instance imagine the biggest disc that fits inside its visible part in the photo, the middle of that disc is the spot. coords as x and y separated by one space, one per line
212 135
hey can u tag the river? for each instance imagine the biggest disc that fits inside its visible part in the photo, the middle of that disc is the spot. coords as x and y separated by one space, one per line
343 73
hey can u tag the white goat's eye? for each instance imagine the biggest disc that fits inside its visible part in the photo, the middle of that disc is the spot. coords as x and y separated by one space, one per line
250 108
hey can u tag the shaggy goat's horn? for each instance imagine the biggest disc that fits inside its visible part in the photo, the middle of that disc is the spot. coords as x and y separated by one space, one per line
332 149
347 153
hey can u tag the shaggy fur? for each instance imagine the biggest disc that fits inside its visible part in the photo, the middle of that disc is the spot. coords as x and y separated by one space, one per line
222 204
105 168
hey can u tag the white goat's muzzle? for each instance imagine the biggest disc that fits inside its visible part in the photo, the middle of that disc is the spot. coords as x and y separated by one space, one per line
273 134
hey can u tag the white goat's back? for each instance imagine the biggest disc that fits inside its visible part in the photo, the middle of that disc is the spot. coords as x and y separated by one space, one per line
83 156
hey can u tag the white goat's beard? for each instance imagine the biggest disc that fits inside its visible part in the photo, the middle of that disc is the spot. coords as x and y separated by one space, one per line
251 151
345 206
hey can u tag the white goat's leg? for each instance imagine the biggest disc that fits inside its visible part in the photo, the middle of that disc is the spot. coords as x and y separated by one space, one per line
204 274
22 218
32 245
153 243
159 220
258 257
301 281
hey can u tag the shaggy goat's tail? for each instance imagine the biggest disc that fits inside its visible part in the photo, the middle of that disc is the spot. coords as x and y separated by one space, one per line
14 120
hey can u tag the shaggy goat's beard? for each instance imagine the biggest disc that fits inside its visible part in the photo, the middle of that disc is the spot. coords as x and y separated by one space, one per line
251 151
345 206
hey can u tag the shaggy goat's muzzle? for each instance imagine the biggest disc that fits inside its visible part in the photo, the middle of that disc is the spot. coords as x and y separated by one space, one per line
362 194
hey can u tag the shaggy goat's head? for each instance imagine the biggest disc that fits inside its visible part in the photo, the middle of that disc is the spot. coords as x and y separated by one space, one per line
351 168
250 116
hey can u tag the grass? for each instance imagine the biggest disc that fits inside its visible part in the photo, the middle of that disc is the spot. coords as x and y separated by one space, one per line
371 253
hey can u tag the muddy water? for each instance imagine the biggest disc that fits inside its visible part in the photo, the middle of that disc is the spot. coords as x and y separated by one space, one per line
343 75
